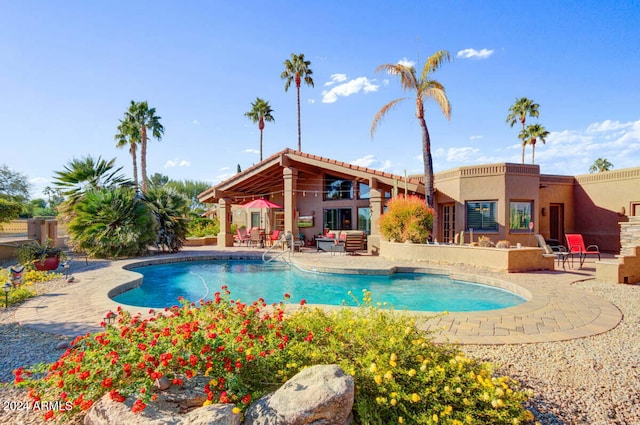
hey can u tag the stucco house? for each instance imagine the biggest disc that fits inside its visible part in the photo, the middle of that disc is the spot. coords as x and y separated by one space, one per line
501 201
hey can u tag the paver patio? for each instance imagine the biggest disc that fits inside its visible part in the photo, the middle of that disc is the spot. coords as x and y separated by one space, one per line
556 310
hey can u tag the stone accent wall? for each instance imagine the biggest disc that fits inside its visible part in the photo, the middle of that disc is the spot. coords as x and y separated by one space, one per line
629 235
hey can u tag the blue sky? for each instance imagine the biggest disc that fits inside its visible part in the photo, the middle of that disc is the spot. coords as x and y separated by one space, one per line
68 71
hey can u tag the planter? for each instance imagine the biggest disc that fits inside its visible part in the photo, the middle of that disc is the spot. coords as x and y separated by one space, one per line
49 263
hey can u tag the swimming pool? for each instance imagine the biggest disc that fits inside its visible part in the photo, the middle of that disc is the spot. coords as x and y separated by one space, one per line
250 280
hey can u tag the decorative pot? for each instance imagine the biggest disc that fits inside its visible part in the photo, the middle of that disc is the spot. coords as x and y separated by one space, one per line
49 263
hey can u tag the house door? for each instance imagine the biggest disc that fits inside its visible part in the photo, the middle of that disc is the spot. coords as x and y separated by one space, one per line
448 222
556 222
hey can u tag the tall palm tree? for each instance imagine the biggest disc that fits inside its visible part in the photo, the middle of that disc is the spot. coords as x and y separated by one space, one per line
296 70
533 133
600 165
260 112
519 111
144 118
424 88
129 135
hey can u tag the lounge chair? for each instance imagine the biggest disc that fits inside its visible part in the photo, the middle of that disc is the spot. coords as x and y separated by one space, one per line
577 247
559 252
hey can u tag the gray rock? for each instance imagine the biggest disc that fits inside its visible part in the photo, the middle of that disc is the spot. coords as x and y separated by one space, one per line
318 395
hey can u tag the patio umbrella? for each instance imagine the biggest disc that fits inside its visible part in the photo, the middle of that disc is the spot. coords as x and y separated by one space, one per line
262 203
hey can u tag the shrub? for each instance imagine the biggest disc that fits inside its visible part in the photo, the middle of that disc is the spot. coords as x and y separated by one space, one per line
201 226
111 223
169 210
406 219
249 350
22 292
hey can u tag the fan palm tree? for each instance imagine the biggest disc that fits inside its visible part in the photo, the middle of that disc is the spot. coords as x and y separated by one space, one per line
82 175
600 165
296 70
129 135
519 111
424 88
140 116
260 112
531 134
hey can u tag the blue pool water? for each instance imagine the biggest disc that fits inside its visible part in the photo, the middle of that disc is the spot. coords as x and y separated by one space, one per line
251 280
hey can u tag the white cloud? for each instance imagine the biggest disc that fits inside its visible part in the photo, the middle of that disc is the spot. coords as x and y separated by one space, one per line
176 163
464 154
312 101
406 62
347 89
196 122
476 137
39 180
607 125
370 161
336 78
255 151
473 53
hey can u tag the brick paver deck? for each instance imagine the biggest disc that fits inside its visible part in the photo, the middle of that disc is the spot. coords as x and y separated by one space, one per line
556 309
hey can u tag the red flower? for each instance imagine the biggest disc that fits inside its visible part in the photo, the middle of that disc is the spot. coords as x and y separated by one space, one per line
60 383
116 396
138 406
142 347
303 301
287 296
107 383
84 375
246 399
48 415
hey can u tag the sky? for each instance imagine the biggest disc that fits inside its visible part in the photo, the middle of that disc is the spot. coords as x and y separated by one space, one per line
69 69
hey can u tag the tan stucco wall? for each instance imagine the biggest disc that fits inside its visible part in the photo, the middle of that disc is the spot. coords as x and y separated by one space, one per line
509 260
599 200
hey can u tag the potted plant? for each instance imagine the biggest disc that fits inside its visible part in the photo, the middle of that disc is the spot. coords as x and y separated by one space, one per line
41 256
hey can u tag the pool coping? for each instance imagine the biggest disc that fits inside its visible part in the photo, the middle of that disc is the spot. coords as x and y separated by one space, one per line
555 309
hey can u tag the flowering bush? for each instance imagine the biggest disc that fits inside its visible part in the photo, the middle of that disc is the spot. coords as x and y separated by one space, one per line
406 219
26 290
249 350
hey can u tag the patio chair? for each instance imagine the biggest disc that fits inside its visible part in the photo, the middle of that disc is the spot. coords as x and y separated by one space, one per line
353 242
256 237
274 237
242 236
559 252
577 247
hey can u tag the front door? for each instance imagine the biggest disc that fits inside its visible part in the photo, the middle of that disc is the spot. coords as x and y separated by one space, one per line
556 222
448 222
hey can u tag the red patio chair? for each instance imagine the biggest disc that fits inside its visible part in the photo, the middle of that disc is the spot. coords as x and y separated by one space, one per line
242 236
577 247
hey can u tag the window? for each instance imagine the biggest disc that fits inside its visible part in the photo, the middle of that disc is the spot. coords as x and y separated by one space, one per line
255 219
364 220
364 192
337 188
337 218
520 215
481 216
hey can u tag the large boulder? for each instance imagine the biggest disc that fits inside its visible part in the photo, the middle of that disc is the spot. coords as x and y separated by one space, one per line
318 395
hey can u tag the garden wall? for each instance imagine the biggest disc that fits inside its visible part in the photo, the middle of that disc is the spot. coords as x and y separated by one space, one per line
508 260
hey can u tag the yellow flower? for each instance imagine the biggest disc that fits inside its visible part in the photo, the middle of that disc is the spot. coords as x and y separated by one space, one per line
400 420
373 368
207 402
213 383
392 363
412 372
236 410
415 398
388 376
435 417
393 401
377 379
394 357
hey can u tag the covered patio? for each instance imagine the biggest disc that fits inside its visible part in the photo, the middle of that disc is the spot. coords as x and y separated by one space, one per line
317 194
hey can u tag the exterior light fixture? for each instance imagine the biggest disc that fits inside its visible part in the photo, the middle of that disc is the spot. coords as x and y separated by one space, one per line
6 287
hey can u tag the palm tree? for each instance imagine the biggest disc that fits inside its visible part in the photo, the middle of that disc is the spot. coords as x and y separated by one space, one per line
519 111
424 88
144 118
531 135
260 112
82 175
297 69
600 165
129 135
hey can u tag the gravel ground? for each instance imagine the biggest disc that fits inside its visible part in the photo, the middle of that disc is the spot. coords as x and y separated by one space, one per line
594 380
